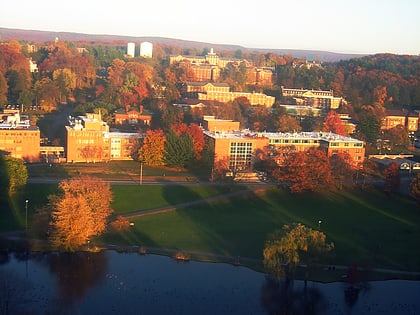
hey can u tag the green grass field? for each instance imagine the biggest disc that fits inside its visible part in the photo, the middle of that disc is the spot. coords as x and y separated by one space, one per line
134 198
367 228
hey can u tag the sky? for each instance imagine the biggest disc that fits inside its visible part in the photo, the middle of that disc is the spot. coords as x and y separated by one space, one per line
343 26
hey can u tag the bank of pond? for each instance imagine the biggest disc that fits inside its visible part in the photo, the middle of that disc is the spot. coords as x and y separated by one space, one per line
112 282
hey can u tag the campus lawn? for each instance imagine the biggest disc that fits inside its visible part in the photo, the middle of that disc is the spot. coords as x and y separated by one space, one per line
367 227
13 209
113 170
136 198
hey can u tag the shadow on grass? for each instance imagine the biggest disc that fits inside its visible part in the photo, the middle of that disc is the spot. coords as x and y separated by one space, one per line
231 226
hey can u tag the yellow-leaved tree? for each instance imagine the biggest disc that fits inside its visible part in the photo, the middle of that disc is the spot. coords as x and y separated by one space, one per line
79 212
293 244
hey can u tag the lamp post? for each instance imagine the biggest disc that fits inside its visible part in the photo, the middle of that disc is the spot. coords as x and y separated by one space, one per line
26 215
141 173
319 224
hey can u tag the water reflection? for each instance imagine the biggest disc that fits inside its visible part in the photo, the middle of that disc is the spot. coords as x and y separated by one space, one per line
283 297
76 273
115 283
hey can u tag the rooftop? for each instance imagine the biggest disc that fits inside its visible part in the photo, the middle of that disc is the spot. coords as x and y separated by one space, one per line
243 134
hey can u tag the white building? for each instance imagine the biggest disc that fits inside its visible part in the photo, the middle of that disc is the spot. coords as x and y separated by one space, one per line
131 49
146 50
33 67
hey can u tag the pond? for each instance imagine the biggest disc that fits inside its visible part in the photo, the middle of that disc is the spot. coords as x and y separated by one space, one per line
129 283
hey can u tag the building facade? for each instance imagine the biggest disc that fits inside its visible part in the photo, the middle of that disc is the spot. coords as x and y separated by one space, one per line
88 139
395 117
312 98
224 97
132 116
210 91
209 67
146 50
212 124
238 147
17 137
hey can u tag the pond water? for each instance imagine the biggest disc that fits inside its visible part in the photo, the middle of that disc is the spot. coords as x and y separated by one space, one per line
130 283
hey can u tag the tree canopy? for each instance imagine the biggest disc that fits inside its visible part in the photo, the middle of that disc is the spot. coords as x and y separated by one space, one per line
305 170
295 243
79 212
151 151
179 150
13 174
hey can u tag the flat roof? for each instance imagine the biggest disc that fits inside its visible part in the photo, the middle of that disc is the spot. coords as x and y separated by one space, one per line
243 134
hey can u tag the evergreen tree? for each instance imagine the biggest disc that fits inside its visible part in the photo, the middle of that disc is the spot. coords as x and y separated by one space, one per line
179 150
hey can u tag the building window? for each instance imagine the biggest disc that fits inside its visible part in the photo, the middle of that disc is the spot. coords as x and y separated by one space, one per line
240 155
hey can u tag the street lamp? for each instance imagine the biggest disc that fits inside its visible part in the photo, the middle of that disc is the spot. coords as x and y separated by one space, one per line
141 173
26 215
319 224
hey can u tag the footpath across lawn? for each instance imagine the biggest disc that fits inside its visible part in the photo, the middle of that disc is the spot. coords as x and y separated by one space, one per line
367 227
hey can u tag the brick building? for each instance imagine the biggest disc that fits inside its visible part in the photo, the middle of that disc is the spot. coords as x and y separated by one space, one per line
210 91
18 138
395 117
88 139
132 116
210 66
313 98
238 147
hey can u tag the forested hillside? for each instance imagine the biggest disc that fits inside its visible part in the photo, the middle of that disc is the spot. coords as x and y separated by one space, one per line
359 80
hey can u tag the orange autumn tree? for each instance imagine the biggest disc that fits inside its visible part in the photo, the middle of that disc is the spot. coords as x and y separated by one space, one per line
332 123
151 151
342 170
305 171
79 212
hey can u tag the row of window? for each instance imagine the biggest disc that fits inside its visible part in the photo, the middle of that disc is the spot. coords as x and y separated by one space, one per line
286 141
346 144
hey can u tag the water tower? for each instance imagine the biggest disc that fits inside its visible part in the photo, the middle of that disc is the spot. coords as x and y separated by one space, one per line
131 49
146 50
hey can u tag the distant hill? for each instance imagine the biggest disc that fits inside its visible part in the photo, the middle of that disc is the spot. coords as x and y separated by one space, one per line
46 36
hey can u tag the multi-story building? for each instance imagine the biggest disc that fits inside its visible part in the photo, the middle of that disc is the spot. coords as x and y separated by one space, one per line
191 89
212 124
395 117
253 98
260 76
209 91
132 116
238 147
88 139
18 138
210 58
313 98
209 67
